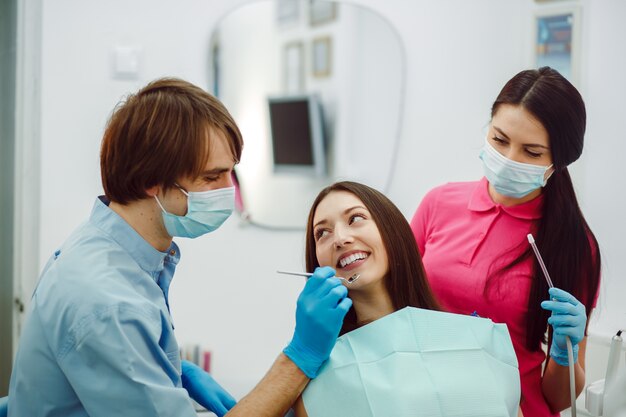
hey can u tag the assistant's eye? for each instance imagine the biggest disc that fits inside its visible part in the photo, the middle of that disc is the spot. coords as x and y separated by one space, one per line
211 178
533 154
498 140
356 218
320 233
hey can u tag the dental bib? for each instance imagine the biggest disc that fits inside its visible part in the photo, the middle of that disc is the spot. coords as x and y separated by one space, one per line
419 363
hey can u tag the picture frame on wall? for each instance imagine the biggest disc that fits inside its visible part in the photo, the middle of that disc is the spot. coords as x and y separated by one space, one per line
321 12
557 40
287 12
321 59
293 67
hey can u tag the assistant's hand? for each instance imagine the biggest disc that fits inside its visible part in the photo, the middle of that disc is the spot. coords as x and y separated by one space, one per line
568 318
322 305
202 387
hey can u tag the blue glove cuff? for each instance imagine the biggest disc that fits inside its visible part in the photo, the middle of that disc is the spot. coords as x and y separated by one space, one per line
560 355
302 358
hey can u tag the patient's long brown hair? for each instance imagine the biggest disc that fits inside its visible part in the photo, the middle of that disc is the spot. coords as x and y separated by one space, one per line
406 280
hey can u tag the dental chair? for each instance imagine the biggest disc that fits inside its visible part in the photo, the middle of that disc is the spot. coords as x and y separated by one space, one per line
4 406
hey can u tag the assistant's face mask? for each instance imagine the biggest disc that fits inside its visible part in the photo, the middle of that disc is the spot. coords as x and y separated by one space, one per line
206 211
510 178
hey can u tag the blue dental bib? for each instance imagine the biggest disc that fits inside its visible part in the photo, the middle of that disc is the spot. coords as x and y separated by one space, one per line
419 363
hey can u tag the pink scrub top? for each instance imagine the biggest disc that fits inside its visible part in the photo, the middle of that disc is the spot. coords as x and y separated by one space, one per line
462 236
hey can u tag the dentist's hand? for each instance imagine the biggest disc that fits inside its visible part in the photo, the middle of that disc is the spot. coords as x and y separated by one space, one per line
568 318
322 305
202 387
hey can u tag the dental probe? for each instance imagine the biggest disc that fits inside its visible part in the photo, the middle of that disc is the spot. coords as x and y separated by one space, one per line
531 240
308 274
570 349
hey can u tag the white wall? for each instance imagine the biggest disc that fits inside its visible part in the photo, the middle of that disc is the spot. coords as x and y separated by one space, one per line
603 199
377 93
459 53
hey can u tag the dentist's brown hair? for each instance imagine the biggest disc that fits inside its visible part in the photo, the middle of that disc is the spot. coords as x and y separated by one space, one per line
160 134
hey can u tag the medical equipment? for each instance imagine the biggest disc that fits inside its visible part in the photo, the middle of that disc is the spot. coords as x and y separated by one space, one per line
616 346
605 397
570 350
349 280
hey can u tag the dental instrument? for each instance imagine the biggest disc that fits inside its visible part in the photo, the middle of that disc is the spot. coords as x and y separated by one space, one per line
613 362
349 280
603 397
570 349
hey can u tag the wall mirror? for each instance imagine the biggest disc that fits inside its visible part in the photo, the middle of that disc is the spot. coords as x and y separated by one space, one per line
317 90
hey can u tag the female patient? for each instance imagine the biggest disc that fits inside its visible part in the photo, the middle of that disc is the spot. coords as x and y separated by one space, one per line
375 369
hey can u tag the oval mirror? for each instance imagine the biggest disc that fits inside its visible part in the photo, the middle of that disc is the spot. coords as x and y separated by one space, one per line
315 87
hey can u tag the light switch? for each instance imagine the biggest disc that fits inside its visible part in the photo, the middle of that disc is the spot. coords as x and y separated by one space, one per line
126 60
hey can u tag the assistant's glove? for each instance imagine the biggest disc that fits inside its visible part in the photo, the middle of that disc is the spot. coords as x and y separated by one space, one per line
322 305
205 390
568 318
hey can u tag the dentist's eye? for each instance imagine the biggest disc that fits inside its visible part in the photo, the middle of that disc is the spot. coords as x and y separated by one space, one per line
498 140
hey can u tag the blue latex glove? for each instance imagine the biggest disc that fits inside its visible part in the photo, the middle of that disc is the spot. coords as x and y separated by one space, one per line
322 305
202 387
568 318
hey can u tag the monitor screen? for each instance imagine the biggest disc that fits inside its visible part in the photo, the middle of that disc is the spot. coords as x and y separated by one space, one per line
296 131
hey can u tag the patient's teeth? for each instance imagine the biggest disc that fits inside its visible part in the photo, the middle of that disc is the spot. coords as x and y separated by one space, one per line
352 258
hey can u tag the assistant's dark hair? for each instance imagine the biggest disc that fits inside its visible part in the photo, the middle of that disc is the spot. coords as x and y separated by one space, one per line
567 244
406 281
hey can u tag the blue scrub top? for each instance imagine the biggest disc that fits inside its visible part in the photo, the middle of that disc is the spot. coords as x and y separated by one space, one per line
99 339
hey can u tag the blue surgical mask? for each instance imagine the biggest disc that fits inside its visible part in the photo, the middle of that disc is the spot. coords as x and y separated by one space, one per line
510 178
206 211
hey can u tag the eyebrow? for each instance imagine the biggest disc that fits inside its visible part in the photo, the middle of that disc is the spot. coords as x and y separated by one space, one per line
534 145
215 171
346 211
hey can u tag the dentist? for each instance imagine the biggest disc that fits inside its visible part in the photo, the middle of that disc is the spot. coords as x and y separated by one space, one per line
472 236
99 340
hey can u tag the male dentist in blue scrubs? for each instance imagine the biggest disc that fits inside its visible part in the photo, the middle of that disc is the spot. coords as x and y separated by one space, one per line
99 339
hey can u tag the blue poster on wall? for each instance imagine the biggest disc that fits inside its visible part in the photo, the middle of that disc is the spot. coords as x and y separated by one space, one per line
554 43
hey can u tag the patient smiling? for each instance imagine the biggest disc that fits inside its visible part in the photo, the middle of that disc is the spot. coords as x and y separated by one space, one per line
396 350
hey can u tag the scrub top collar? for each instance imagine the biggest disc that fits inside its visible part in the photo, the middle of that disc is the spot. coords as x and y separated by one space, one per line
147 257
481 201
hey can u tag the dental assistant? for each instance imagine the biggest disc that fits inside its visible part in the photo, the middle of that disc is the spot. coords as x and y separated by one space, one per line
99 339
473 236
